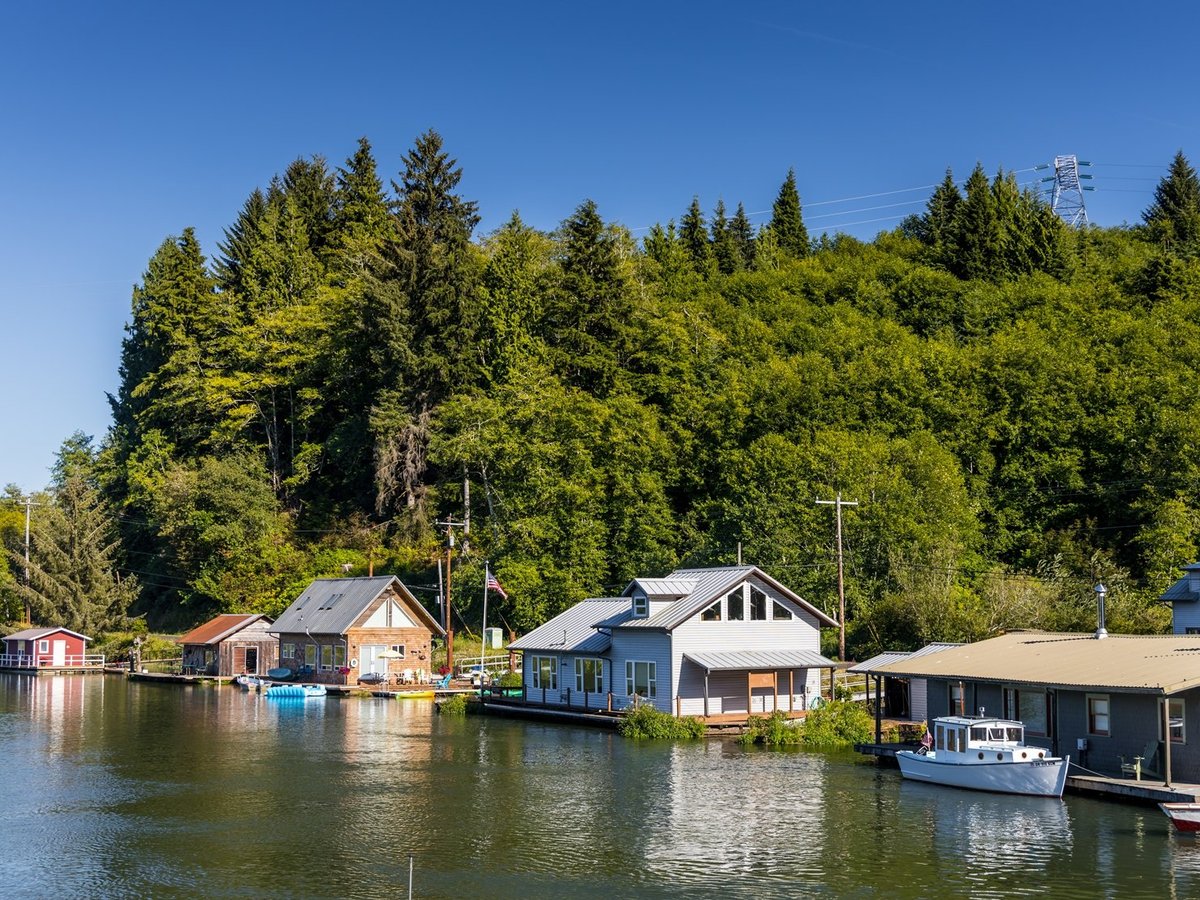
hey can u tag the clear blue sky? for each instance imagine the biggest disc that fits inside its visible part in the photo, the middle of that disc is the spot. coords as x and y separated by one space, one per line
125 123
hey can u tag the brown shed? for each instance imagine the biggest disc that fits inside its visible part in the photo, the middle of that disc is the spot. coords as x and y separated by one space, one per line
229 645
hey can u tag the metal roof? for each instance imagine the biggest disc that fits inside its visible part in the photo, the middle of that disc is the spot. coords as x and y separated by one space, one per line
331 605
760 659
710 585
574 631
890 656
1158 664
660 588
1181 590
32 634
217 629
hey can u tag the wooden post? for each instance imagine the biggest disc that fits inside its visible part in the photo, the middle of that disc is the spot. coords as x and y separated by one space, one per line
706 693
1167 741
678 707
610 701
791 691
776 680
749 698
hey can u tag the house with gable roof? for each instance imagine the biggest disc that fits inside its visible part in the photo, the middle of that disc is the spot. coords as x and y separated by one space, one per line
1184 597
728 641
341 628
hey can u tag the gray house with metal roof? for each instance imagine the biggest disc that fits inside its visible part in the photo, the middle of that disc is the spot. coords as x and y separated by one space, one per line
341 628
722 642
1184 597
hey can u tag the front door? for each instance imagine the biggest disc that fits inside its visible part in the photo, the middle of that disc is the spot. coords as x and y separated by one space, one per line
370 661
252 660
60 653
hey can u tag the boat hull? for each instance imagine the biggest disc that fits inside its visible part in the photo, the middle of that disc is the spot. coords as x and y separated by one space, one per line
295 691
1038 778
1184 816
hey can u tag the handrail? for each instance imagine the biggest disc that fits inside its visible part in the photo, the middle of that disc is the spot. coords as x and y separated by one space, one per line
46 661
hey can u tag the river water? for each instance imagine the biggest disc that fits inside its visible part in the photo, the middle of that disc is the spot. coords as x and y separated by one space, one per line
119 789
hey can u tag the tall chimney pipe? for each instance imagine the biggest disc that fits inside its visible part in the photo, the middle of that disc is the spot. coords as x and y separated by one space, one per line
1101 592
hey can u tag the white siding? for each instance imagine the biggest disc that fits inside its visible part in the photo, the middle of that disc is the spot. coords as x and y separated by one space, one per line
727 690
1185 615
644 646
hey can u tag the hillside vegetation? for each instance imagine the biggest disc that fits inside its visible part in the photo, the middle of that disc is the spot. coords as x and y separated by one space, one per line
1013 404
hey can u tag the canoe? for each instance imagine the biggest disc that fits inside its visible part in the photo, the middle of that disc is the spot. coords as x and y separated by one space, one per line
295 691
1184 816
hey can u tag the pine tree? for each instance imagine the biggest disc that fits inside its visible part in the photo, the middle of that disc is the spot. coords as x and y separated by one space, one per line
976 244
694 235
311 187
1173 219
742 234
239 237
787 222
724 250
935 227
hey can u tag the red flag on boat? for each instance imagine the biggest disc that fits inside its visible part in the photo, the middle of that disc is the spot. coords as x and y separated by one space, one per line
494 585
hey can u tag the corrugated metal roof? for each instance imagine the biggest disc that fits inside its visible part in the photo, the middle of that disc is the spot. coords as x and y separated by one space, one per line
760 659
574 631
32 634
330 605
663 588
1160 664
1181 590
217 629
890 656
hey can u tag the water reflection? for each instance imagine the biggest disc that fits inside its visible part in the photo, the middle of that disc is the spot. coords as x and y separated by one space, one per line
140 789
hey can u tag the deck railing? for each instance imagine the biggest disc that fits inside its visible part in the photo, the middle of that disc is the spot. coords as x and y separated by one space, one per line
47 661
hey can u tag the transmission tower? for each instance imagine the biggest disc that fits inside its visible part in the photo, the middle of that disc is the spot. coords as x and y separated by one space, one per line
1066 198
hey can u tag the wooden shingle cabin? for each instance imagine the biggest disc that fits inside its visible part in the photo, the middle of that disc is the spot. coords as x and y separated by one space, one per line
722 643
341 628
230 644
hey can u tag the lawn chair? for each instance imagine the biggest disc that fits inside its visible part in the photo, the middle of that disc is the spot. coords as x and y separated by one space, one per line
1146 764
445 682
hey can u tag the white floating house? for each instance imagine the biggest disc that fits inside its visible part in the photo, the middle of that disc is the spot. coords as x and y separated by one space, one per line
701 642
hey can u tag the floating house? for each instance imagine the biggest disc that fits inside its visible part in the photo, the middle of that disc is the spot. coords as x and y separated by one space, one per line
902 697
721 643
341 628
53 647
1105 699
230 644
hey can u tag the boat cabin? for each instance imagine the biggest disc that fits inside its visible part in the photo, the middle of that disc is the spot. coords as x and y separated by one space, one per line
980 738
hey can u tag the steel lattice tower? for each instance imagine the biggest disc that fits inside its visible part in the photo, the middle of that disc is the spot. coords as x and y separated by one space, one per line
1067 197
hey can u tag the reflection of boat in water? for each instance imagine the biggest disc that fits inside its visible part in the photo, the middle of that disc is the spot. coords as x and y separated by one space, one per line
985 755
295 691
1184 816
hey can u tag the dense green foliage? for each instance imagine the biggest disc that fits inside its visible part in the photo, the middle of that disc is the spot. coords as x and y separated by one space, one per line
645 723
840 723
775 730
1011 402
453 706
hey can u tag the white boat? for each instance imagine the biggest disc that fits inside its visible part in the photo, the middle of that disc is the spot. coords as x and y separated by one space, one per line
1184 816
985 755
247 682
295 691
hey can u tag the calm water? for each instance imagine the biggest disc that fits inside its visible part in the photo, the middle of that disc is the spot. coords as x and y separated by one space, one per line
112 789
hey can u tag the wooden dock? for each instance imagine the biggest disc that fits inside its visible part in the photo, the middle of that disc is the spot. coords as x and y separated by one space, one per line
1132 791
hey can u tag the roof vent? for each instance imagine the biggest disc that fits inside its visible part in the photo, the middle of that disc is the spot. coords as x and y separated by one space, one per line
1101 593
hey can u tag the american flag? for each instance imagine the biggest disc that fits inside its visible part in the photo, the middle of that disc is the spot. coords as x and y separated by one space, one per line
494 585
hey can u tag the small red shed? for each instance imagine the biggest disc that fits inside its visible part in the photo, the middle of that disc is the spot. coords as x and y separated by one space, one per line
36 648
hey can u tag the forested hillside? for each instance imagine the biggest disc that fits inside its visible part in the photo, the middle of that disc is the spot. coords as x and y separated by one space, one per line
1013 404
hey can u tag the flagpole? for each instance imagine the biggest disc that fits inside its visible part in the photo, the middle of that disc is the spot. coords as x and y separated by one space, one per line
487 578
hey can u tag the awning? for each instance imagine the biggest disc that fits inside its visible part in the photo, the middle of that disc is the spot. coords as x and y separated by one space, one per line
746 660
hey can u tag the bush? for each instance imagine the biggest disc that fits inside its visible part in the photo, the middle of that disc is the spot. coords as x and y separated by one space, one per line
647 723
837 724
509 680
455 706
773 731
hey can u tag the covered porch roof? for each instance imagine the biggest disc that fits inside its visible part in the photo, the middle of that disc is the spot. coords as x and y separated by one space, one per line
746 660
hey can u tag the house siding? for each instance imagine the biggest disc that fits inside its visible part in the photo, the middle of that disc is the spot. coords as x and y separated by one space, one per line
566 693
1185 615
643 646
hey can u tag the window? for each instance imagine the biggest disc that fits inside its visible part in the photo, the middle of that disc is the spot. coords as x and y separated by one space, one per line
1097 712
589 676
641 605
43 646
956 699
398 648
287 651
641 678
545 672
339 656
758 605
327 656
1175 711
779 611
712 614
1033 709
736 604
310 654
1192 629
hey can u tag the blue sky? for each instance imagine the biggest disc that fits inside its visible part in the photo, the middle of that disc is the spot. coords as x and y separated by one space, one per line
123 126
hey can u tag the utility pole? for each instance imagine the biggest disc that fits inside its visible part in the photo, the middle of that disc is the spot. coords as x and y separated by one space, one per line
837 505
29 504
449 525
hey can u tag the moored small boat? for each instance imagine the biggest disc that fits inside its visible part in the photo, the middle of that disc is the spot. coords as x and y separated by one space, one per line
985 754
248 682
295 691
1184 816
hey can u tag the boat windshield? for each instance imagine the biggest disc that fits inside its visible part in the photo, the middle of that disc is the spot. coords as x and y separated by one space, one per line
1014 735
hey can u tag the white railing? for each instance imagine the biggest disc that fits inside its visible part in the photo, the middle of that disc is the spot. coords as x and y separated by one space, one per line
494 663
47 661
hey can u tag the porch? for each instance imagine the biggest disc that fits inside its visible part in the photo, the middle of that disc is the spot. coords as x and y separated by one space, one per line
48 663
769 681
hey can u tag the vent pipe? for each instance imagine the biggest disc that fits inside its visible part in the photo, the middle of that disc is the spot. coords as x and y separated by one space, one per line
1101 592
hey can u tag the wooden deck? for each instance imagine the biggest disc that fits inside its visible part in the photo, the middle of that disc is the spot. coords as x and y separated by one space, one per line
1144 791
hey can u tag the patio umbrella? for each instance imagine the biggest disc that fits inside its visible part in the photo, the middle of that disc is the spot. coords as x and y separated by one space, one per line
390 654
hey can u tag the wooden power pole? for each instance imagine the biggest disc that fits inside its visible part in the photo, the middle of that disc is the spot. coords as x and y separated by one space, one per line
450 525
837 505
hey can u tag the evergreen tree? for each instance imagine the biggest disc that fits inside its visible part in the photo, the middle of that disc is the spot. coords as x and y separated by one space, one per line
935 228
787 223
724 248
310 186
977 241
239 237
694 236
1173 218
741 233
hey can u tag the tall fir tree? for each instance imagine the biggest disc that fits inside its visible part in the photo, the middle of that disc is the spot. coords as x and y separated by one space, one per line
741 233
1173 219
724 249
977 241
787 221
694 235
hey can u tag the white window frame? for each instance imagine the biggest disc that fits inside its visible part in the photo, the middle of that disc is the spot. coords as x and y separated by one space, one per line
44 646
1175 703
765 601
1093 716
651 681
310 656
597 681
779 612
287 651
704 613
740 594
399 648
326 657
641 605
535 676
339 656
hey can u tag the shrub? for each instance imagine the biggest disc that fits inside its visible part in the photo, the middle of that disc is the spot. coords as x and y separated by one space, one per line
509 680
773 731
837 724
647 723
455 706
